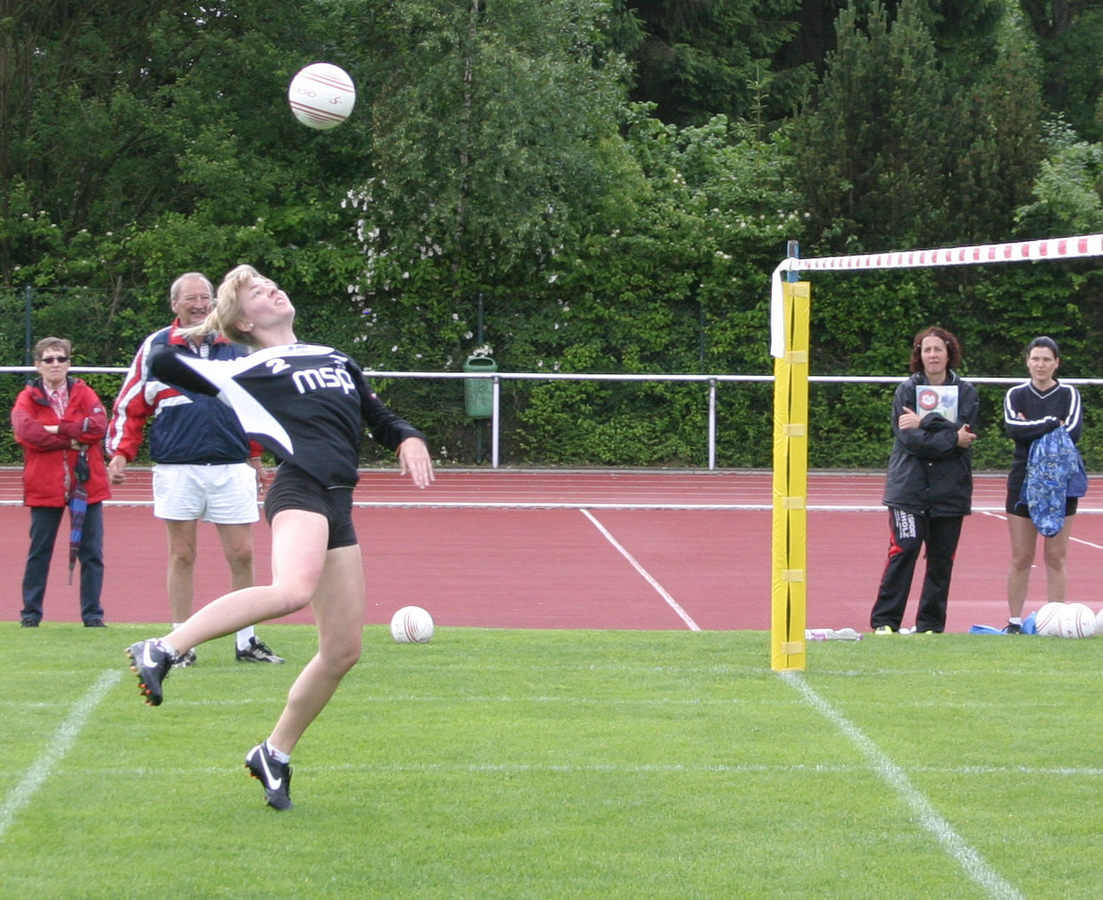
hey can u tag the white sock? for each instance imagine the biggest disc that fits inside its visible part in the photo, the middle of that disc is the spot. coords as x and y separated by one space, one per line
167 647
277 755
1015 620
244 637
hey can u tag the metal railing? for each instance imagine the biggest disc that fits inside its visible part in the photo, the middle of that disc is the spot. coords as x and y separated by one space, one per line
712 381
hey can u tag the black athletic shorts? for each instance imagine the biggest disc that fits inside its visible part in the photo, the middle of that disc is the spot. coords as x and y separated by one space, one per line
292 488
1014 508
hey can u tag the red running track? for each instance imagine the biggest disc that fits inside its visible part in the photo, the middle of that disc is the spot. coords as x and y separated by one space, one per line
605 550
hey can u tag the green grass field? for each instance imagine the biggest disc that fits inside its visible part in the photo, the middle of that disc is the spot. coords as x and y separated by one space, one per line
555 764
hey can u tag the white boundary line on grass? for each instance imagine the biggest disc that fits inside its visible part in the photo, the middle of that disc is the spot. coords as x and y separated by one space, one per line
670 601
964 855
62 743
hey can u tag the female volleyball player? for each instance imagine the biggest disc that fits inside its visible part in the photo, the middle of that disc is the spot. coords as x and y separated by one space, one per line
1031 410
309 406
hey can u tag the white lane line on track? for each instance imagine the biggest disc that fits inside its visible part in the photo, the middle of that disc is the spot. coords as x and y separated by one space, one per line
670 601
1072 537
965 856
63 741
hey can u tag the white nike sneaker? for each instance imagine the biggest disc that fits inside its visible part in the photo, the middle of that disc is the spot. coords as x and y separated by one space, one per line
258 651
274 775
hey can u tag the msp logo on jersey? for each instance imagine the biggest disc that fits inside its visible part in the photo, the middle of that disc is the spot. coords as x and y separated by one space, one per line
318 378
322 377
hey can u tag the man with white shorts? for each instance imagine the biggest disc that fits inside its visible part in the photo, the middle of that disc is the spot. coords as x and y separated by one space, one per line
205 468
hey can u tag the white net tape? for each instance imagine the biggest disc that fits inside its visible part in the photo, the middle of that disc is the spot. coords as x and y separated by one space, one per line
1075 247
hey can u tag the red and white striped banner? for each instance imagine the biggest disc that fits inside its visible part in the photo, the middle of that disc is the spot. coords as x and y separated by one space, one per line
1075 247
1016 251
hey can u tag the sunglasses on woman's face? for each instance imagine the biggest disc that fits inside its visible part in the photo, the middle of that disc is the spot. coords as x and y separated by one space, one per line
55 359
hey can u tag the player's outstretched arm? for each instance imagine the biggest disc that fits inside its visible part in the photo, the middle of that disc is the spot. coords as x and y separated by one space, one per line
168 365
414 460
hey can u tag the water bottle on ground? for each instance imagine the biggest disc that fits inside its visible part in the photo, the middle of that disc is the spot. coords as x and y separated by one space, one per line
832 634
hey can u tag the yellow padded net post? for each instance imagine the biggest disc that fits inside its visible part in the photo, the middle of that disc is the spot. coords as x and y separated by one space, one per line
790 488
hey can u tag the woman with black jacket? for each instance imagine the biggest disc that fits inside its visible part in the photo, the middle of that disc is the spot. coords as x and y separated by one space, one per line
929 487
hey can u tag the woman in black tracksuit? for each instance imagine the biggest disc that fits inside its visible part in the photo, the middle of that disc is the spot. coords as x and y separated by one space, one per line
929 487
308 405
1031 410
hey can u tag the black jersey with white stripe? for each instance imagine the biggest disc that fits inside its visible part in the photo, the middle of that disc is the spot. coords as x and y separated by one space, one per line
307 404
1029 413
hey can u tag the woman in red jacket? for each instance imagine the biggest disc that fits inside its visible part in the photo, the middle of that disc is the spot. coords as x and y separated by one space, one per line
60 423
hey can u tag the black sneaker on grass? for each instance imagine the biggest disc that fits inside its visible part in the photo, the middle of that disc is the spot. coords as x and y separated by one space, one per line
1013 628
258 651
185 660
274 775
151 662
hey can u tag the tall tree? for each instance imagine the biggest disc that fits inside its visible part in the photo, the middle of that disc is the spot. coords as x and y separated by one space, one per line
142 139
1067 196
698 59
494 134
1069 34
1003 145
873 152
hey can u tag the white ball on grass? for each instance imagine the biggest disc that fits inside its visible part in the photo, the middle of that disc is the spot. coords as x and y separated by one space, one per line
411 625
1077 621
1047 621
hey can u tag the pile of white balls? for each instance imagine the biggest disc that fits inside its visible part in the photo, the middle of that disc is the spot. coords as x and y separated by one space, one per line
1068 620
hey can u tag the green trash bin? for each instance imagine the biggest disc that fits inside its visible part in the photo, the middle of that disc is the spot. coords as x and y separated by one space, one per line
478 393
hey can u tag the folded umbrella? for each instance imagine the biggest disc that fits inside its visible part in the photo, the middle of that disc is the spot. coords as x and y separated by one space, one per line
78 506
